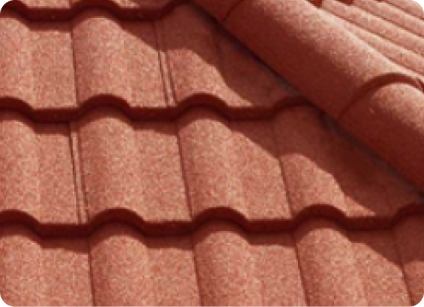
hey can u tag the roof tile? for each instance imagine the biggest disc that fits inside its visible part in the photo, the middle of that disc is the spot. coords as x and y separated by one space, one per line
141 167
218 263
96 59
107 167
37 171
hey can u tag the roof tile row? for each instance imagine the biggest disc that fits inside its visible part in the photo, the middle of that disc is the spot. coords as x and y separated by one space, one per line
217 264
67 9
200 165
149 66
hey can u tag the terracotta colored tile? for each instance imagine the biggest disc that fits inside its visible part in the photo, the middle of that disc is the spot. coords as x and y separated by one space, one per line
120 268
328 264
208 161
225 267
376 25
380 268
21 266
394 52
37 173
392 14
141 163
321 167
56 4
53 66
20 166
66 9
110 168
240 69
411 250
204 61
220 9
410 7
174 272
66 273
16 56
278 269
188 38
42 54
278 39
117 60
307 160
259 170
127 3
160 165
394 108
56 173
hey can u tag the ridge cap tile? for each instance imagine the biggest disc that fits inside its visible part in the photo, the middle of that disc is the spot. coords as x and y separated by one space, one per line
335 57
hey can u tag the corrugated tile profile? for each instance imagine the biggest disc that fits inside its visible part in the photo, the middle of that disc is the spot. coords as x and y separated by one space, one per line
150 157
67 9
145 68
362 89
318 263
172 175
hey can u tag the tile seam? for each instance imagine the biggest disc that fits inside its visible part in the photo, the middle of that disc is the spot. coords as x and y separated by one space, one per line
189 203
196 270
282 170
166 71
76 174
162 68
301 271
402 262
74 139
91 273
355 258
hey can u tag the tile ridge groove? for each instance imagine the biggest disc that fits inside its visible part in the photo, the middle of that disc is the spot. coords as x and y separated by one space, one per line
91 273
196 271
282 171
396 244
157 114
169 229
183 172
78 166
385 19
359 29
301 273
148 12
165 73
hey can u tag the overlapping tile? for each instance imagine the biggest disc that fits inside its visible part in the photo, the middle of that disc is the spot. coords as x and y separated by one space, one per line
129 211
67 9
37 176
259 173
395 32
143 67
317 263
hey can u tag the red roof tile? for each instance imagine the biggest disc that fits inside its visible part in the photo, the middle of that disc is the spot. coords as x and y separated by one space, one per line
275 171
150 67
217 264
149 158
338 79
